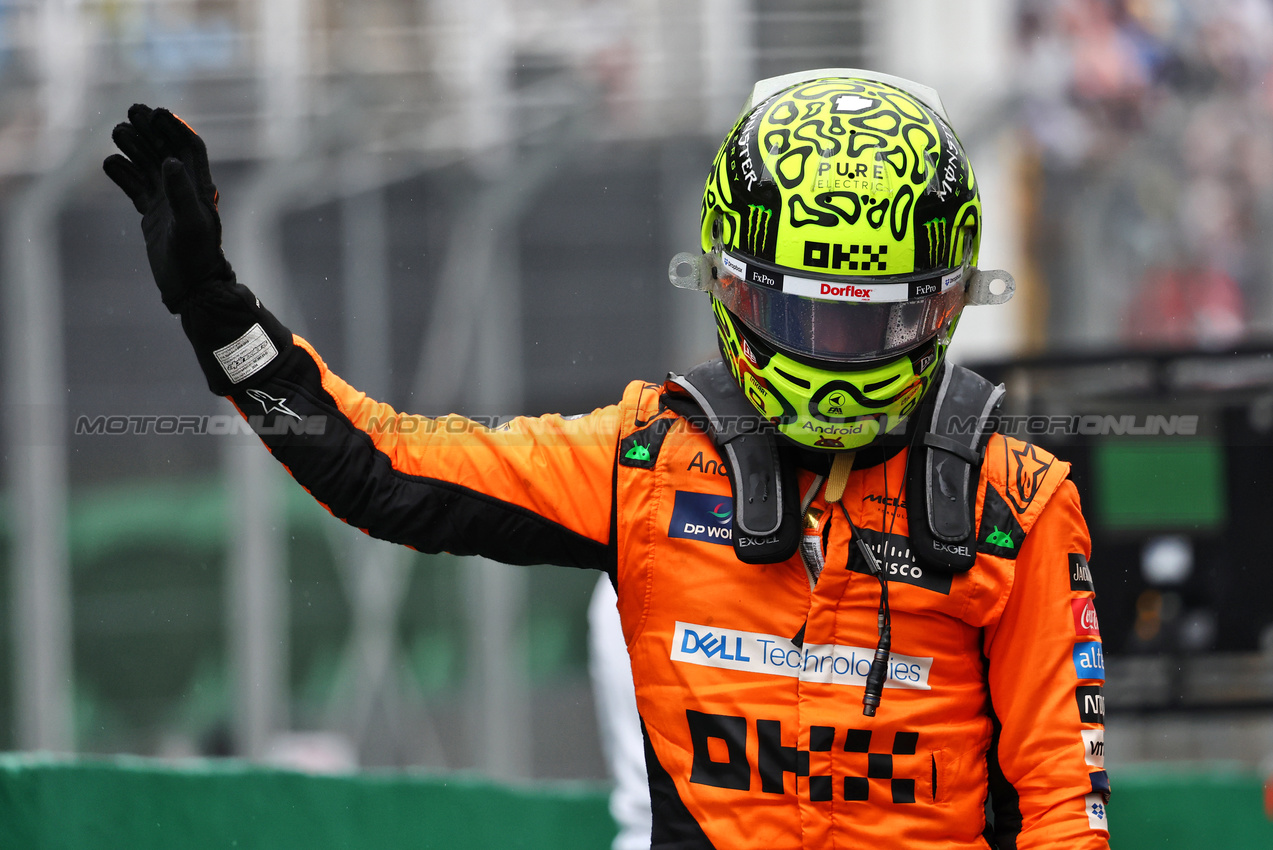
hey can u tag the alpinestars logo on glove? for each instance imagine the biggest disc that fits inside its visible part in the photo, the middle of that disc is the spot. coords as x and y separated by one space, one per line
271 404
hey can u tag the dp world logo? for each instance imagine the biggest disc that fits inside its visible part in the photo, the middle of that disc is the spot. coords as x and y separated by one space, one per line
702 516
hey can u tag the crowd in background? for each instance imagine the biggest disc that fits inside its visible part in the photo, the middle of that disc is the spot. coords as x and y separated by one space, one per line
1151 128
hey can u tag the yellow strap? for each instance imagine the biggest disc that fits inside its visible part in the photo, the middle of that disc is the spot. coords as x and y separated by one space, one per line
838 478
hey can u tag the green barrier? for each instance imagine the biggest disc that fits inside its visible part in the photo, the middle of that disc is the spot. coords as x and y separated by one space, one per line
142 805
1188 807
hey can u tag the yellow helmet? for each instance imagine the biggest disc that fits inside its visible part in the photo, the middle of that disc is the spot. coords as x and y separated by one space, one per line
840 229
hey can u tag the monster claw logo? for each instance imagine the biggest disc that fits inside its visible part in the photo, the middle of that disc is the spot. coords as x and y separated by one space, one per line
938 233
757 227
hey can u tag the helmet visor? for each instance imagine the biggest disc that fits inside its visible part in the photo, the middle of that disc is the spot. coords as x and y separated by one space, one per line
842 319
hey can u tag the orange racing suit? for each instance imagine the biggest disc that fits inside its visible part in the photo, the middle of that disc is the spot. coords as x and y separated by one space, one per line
749 677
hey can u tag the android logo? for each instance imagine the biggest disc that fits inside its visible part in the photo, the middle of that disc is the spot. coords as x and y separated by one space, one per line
1000 538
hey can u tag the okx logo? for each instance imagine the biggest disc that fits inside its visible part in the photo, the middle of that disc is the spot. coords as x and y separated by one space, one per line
880 771
702 516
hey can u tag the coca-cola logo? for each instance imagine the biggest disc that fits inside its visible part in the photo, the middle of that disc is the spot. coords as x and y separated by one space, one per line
1085 622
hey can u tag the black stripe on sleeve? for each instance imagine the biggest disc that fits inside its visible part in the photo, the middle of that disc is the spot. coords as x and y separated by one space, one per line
342 468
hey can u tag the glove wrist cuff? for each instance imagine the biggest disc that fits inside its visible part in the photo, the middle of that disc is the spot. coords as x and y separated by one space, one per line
179 300
237 342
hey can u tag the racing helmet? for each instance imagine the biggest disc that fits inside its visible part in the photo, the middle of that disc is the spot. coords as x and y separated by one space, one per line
841 223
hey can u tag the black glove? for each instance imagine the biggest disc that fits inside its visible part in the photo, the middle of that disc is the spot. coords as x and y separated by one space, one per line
165 173
167 177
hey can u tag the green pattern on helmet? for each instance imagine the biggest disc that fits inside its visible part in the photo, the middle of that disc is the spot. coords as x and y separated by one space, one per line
827 173
825 408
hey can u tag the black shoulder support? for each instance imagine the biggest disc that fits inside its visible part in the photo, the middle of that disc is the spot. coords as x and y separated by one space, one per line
944 469
766 495
945 466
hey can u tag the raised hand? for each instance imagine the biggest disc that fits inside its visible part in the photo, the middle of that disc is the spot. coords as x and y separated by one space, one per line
164 171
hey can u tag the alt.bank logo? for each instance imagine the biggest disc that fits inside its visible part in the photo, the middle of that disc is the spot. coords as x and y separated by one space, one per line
1089 660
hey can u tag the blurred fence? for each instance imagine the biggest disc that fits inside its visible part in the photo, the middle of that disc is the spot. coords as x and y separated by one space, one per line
465 205
166 594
